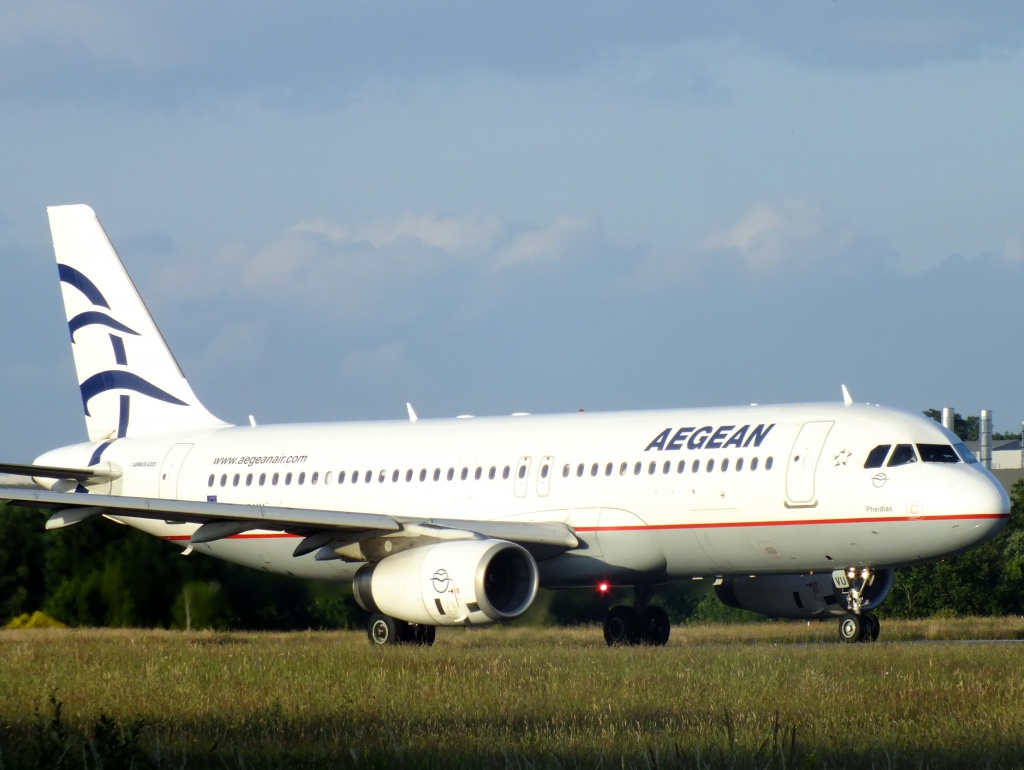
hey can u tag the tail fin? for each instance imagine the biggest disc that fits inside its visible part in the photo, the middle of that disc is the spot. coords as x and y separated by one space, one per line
131 385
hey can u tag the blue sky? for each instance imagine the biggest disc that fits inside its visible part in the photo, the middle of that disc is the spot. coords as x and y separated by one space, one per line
332 208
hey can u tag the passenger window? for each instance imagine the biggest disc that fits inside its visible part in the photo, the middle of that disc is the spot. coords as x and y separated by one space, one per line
903 454
593 469
248 480
768 464
263 479
623 468
479 474
506 471
666 467
938 453
341 477
652 468
382 475
328 477
275 479
287 479
739 464
465 474
522 471
565 471
725 464
423 474
711 464
608 469
234 481
451 474
491 473
544 471
877 456
408 476
314 478
302 478
681 467
210 482
637 468
437 474
579 470
695 466
753 464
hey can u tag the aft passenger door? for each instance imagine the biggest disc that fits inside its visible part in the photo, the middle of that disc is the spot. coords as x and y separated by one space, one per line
170 469
803 462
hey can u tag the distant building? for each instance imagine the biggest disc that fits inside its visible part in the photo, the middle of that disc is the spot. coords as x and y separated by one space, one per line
1006 453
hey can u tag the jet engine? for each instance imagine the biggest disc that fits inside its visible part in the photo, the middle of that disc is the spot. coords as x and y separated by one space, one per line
455 582
801 596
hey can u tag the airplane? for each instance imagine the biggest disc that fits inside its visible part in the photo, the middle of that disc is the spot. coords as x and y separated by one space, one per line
797 511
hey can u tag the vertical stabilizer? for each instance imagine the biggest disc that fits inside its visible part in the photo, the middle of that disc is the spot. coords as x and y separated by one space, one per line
131 385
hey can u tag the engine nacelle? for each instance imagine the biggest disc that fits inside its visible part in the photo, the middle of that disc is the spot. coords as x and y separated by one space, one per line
456 582
801 596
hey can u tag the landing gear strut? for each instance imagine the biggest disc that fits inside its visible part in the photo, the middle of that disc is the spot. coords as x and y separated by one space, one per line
857 625
639 624
385 630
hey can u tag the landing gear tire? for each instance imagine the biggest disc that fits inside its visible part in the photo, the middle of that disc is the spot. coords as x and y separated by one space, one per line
869 633
423 635
621 626
654 627
383 630
851 628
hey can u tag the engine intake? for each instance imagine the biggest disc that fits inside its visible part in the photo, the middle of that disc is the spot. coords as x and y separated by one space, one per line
457 582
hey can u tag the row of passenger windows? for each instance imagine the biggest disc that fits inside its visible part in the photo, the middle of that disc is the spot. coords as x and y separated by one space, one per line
595 469
904 454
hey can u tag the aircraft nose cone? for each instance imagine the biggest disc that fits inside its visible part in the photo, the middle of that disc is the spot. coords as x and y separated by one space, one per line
982 499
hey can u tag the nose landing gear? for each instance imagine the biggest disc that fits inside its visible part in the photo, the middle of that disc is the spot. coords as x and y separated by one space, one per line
857 625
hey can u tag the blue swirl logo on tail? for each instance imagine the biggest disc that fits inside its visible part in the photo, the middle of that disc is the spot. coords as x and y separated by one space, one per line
78 279
101 382
112 379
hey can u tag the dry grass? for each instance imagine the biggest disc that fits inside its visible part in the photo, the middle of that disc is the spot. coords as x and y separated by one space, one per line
766 695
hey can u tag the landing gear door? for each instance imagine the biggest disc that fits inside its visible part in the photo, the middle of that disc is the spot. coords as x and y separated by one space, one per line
803 461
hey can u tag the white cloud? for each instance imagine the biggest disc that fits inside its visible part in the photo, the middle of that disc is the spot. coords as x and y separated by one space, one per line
1013 250
547 244
770 235
346 264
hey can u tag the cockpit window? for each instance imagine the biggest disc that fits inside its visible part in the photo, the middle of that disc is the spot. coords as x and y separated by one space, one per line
938 453
903 454
965 454
877 456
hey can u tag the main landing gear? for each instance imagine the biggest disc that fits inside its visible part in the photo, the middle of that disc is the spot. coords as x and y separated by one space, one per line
383 629
857 625
639 624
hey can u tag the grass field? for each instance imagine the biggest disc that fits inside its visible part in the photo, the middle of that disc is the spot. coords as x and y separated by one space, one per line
780 695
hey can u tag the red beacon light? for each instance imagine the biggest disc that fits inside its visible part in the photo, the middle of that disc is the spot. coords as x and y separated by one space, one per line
603 587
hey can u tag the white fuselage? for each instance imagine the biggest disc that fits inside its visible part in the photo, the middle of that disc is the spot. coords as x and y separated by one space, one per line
653 496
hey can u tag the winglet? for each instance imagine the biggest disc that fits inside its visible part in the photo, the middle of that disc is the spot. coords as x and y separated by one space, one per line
847 398
412 413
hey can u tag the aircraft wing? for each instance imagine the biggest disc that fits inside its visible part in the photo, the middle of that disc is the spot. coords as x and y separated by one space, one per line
318 527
